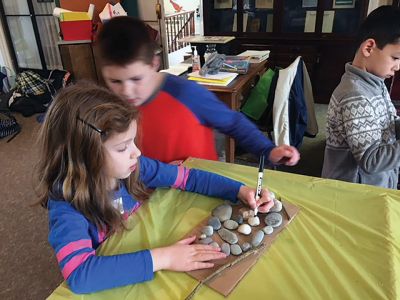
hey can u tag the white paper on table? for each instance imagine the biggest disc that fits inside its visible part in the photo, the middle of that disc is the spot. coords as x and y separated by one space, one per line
327 22
177 69
218 76
311 17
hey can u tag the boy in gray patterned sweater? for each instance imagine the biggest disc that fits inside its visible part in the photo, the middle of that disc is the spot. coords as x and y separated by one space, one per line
361 143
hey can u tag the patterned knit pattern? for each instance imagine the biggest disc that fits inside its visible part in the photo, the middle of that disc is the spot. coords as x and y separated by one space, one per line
357 122
361 144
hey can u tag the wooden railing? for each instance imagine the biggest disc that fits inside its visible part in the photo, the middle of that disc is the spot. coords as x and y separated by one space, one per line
179 25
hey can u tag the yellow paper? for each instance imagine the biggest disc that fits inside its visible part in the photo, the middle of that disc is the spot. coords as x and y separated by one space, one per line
74 16
210 80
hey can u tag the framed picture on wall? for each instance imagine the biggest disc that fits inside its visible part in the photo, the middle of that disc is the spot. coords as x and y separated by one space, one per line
343 3
222 4
309 3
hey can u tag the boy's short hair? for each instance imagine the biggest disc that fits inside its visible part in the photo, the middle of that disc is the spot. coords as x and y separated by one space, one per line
124 40
382 25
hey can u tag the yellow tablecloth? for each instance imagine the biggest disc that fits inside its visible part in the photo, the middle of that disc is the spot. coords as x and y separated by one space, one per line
343 244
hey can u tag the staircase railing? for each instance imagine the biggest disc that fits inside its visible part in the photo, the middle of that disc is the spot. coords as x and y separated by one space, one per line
178 26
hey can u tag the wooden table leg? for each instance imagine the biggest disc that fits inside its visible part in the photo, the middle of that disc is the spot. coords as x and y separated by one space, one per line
230 99
230 149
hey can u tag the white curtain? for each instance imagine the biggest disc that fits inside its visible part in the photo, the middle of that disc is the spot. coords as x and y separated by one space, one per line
5 57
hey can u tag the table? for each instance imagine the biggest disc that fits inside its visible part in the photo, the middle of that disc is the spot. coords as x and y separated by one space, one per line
235 93
201 39
343 244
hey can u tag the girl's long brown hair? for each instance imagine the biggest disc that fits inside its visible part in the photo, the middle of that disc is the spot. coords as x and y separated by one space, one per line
70 167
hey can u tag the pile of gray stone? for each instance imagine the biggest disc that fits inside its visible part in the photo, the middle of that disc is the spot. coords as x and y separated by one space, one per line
230 226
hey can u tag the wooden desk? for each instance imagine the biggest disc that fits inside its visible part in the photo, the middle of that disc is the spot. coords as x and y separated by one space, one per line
79 58
235 93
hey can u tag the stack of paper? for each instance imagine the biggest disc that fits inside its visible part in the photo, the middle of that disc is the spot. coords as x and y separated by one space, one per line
256 56
219 79
177 69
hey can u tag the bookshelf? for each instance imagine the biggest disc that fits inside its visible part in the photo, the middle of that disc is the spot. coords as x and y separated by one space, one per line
321 31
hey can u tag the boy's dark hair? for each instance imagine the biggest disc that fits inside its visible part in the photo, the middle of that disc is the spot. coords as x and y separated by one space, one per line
124 40
382 25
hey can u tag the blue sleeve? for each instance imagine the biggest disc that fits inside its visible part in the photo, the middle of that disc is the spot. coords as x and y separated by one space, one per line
84 271
156 174
214 113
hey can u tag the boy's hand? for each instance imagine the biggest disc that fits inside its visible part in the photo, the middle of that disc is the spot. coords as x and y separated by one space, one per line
184 256
284 154
247 196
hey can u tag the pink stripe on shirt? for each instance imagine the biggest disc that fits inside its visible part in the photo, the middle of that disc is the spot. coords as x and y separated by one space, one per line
135 208
102 235
179 177
185 178
75 262
72 247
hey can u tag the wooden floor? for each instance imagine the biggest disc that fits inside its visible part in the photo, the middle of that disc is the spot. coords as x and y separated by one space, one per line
28 266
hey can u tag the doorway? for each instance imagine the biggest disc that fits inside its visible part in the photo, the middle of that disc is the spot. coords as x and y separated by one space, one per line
179 13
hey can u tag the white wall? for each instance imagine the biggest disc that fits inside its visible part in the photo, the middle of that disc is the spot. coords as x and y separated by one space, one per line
147 11
187 5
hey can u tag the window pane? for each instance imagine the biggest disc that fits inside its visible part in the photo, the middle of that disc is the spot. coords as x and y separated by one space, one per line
43 8
347 19
16 7
299 15
24 41
48 28
223 16
258 15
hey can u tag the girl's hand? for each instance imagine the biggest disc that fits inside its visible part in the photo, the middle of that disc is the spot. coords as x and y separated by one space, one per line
284 154
247 196
184 256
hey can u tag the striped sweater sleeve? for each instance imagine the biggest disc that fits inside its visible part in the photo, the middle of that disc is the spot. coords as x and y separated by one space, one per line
84 271
369 134
156 174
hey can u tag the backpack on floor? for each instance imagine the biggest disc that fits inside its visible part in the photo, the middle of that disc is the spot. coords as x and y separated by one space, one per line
8 126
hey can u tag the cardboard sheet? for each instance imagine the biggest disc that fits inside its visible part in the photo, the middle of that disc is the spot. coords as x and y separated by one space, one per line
225 282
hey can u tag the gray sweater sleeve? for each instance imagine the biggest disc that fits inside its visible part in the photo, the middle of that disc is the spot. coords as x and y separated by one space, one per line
381 158
363 123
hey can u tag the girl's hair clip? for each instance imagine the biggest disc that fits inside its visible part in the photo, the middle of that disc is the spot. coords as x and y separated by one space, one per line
91 126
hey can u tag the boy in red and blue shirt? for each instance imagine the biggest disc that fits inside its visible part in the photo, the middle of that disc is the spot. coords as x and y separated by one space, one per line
177 116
